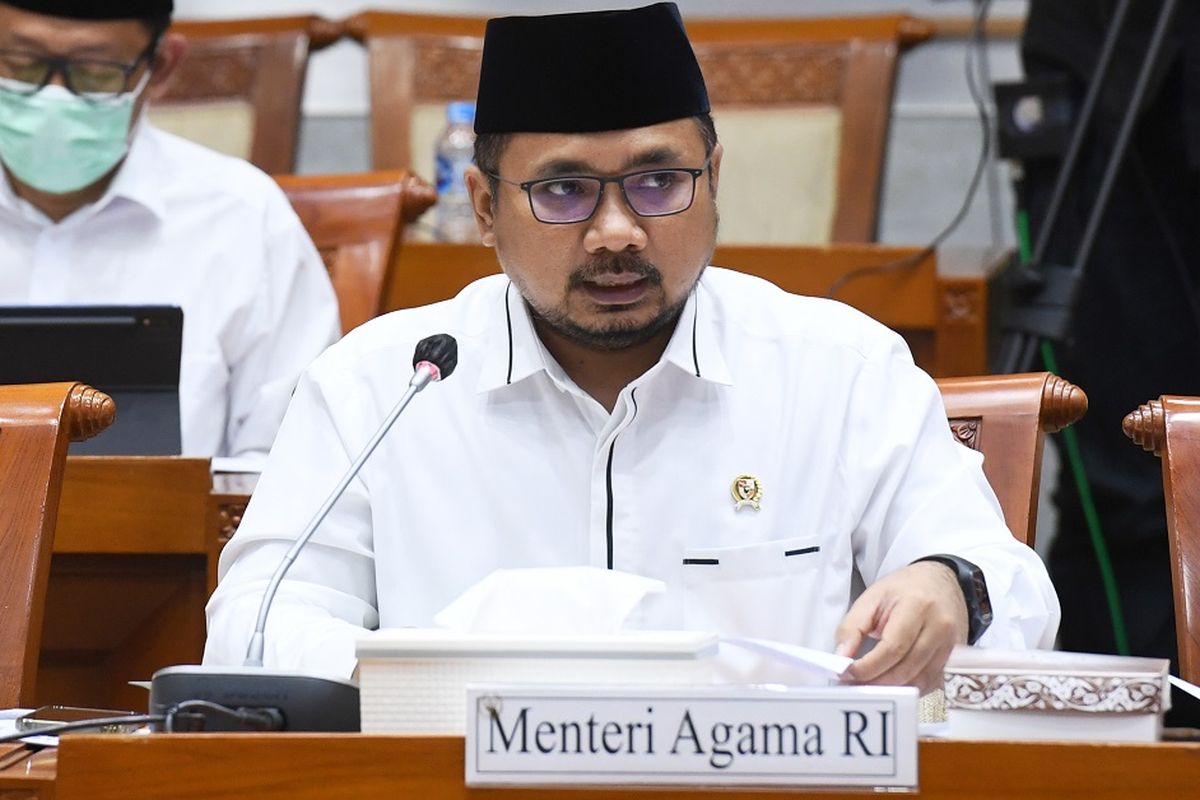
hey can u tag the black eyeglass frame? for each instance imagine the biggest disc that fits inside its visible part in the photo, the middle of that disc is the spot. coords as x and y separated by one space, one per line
526 186
58 65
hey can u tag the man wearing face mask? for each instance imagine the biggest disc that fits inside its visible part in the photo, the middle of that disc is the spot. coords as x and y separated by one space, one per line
99 207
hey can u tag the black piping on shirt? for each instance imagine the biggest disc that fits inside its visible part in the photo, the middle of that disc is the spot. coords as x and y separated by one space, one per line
508 319
609 483
695 316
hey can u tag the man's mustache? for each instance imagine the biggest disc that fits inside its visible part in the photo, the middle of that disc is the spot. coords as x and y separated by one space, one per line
615 263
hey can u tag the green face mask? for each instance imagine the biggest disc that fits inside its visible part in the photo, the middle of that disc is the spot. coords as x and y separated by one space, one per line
57 141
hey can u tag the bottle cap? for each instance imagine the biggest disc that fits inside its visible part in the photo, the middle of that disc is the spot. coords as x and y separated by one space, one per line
461 112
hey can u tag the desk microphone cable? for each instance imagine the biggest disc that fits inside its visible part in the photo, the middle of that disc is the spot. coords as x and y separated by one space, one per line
252 719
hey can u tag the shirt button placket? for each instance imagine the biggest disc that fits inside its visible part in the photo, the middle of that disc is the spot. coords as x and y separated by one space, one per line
48 282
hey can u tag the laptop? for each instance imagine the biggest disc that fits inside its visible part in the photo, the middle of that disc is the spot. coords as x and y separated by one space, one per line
131 353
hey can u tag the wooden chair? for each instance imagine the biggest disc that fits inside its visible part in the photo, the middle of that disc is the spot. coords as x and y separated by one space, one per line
36 423
357 223
939 304
239 87
1006 417
1169 427
802 107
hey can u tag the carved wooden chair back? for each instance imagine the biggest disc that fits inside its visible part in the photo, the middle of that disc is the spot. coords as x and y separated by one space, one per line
911 301
1169 427
1006 417
802 108
239 87
357 223
36 423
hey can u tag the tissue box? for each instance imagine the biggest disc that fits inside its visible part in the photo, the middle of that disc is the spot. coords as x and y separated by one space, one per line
1045 695
414 680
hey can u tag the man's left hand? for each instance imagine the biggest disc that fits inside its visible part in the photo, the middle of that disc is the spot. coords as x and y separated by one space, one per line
917 614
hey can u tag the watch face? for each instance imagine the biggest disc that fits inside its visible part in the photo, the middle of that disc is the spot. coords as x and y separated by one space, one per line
981 594
979 605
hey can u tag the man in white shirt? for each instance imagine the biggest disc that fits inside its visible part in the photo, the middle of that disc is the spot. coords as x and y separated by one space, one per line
618 404
99 207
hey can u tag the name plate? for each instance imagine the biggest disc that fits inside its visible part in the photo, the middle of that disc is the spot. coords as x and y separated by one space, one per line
833 736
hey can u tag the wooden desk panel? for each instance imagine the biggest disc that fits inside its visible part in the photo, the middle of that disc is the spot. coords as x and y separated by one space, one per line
303 766
133 504
129 577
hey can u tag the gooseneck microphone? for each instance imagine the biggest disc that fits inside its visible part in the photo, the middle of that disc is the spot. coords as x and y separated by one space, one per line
434 359
288 700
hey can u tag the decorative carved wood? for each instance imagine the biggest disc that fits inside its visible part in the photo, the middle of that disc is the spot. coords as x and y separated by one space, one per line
1006 417
36 423
966 431
215 71
1062 404
230 518
446 71
778 75
961 305
1146 425
1169 427
261 62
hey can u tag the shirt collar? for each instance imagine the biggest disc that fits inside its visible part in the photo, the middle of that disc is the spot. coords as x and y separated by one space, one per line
136 180
695 347
516 352
140 177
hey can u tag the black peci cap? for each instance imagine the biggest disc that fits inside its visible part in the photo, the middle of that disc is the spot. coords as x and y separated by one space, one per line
588 72
96 9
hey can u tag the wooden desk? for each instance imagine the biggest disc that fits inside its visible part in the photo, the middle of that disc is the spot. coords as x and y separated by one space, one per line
940 303
302 766
134 562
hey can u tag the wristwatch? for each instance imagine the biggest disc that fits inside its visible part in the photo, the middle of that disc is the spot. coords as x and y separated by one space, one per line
975 592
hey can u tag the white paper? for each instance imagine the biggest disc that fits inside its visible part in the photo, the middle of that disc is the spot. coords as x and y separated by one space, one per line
804 662
8 725
1184 686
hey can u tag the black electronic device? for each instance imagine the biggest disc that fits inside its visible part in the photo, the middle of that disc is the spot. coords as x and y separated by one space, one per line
132 353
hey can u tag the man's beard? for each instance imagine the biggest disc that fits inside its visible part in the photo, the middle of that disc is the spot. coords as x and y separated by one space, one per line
618 334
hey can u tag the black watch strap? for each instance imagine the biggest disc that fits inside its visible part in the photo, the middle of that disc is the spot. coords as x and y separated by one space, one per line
975 592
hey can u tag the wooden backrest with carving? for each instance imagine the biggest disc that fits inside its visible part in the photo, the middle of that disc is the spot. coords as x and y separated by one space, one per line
1169 427
36 423
239 87
802 107
357 223
1006 417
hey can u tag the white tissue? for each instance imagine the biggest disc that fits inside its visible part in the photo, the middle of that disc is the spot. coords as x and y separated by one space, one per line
589 601
549 600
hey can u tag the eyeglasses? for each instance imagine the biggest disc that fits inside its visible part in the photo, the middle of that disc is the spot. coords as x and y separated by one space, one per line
575 198
91 78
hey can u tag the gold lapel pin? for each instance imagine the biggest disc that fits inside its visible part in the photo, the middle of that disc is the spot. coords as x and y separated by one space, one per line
746 491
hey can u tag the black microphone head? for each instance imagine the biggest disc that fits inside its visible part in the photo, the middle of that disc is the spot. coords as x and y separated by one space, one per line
441 350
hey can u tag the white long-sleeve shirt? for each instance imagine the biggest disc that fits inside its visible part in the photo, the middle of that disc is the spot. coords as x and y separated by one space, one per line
183 225
508 463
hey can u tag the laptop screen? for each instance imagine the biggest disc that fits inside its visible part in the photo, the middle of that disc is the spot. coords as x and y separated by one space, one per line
129 352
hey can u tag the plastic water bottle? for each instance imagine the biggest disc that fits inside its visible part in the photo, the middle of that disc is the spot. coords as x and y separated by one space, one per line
455 220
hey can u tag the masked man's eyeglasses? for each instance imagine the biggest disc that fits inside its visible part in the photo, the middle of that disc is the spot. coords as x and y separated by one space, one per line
91 78
575 198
